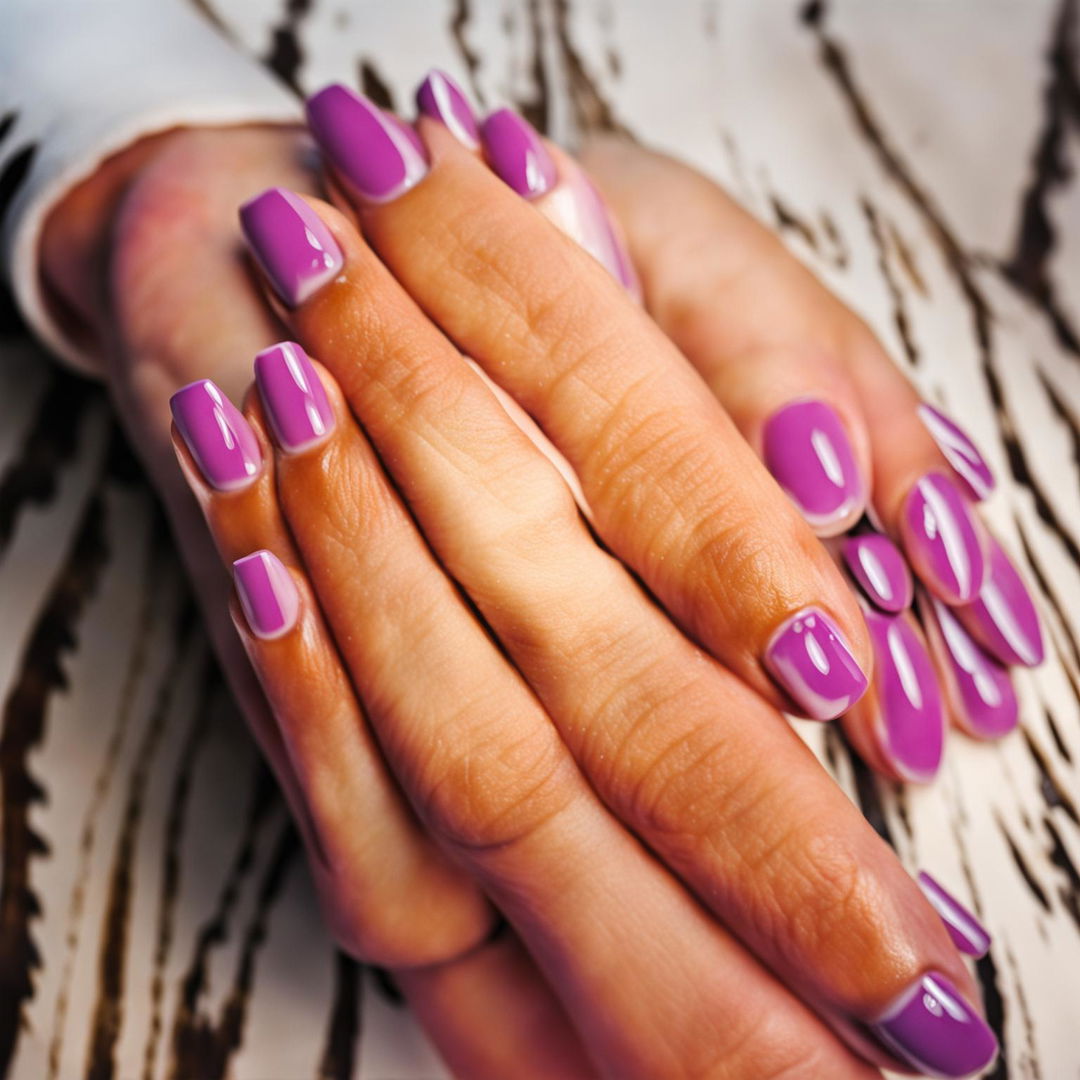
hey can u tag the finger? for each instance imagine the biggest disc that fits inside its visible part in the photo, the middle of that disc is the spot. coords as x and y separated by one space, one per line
674 489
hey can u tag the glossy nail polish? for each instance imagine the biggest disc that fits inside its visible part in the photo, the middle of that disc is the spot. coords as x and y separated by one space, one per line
877 564
808 451
960 452
517 154
978 685
942 539
296 251
910 708
935 1031
217 435
294 397
968 934
371 151
810 659
441 98
1003 616
267 594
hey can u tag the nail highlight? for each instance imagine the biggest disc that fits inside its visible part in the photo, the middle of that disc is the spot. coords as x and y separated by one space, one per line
441 98
517 154
267 594
934 1030
295 400
960 452
968 934
810 659
877 564
807 449
296 251
217 435
372 151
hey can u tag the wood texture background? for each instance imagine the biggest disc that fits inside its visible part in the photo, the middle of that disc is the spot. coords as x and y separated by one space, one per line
155 917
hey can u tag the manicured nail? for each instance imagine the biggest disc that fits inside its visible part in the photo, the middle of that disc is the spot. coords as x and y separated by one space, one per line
979 688
370 150
296 251
877 564
808 452
294 396
935 1031
1003 617
517 153
941 539
810 659
960 452
220 439
911 712
968 934
441 98
267 594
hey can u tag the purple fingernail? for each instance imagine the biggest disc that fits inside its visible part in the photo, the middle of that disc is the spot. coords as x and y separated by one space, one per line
267 594
1003 616
960 452
296 251
942 540
810 659
982 694
293 394
876 563
441 98
968 934
370 150
910 706
808 452
220 439
517 153
932 1028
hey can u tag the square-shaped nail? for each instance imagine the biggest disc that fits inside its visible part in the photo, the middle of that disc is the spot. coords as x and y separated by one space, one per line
294 397
517 154
267 594
217 435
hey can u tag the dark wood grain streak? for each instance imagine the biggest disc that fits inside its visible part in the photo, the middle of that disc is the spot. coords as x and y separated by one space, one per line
994 1010
593 111
7 122
375 86
338 1059
535 109
459 26
900 317
285 57
14 172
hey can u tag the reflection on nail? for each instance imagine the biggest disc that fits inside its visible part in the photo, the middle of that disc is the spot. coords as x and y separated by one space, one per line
960 452
517 154
968 934
217 435
267 594
877 564
296 403
442 99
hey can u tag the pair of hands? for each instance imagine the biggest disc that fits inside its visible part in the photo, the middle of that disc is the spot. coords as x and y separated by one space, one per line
536 762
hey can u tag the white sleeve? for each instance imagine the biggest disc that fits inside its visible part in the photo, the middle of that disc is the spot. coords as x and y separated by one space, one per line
83 79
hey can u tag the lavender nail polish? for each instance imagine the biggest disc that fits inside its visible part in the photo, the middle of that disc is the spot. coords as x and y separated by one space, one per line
808 451
267 594
296 251
1003 617
968 934
370 150
293 394
876 563
932 1028
517 154
910 707
220 439
942 539
810 659
980 690
960 452
441 98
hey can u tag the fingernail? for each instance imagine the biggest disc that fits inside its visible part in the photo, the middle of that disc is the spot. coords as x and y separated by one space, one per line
220 439
810 659
982 694
1003 616
808 452
932 1028
960 452
911 711
517 153
876 563
267 594
942 540
296 251
371 152
968 934
441 98
293 394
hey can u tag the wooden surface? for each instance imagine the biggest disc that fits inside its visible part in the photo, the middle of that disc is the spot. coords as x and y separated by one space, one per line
156 920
